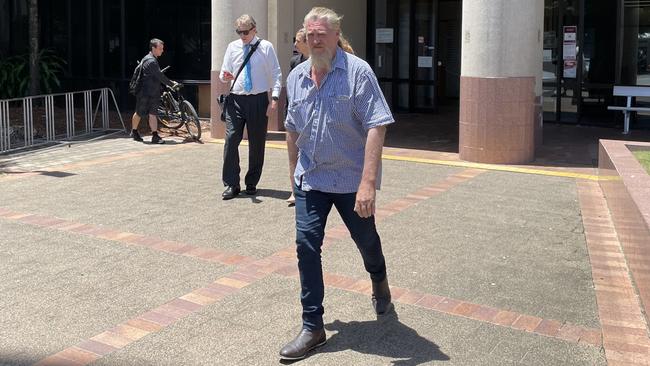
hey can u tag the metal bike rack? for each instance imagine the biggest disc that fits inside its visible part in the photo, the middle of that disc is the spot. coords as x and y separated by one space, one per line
50 135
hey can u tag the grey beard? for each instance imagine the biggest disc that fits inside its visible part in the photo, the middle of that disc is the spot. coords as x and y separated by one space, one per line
323 62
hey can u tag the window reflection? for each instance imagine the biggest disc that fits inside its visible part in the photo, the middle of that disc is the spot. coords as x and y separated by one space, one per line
636 43
550 59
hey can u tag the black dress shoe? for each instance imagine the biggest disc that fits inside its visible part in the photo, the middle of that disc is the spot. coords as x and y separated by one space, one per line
381 297
251 190
306 341
230 192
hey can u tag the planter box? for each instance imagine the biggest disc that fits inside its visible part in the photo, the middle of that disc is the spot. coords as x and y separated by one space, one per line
626 186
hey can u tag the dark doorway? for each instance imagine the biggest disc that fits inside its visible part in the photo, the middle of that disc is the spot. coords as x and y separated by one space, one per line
414 48
580 43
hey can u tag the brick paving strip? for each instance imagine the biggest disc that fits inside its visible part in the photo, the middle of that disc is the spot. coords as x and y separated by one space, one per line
282 263
625 332
102 232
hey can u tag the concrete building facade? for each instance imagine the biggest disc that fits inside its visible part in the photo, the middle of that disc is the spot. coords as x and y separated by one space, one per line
506 66
500 95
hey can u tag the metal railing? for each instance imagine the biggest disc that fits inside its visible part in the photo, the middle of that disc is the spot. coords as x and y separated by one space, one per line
44 129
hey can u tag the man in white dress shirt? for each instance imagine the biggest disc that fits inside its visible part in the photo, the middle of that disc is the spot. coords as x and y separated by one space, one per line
249 104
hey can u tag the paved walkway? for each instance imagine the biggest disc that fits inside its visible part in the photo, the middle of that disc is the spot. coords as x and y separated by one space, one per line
118 253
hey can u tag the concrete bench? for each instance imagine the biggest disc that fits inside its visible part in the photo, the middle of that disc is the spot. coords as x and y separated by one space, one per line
629 92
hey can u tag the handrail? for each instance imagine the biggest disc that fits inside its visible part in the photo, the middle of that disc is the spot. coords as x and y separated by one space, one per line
50 133
54 95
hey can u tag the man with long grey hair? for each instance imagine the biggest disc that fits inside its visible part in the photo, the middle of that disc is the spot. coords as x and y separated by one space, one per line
336 124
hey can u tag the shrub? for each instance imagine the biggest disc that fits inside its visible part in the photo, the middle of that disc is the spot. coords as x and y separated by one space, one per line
14 74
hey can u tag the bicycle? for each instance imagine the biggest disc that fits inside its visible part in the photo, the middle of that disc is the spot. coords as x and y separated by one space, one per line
175 112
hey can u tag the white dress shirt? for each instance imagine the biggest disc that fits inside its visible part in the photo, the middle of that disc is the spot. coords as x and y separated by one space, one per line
265 68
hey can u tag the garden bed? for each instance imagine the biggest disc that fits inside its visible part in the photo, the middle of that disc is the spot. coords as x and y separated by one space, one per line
626 186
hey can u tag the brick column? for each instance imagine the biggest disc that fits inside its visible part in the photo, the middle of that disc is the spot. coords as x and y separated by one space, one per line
500 92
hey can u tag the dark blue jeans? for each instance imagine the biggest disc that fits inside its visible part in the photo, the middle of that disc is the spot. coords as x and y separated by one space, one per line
312 209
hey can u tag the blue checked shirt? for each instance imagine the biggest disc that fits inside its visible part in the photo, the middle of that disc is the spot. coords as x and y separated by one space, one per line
332 123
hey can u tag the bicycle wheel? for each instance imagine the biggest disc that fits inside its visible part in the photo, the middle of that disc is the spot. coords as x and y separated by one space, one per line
191 120
168 115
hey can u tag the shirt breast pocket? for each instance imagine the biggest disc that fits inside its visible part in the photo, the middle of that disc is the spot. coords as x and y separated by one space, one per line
341 108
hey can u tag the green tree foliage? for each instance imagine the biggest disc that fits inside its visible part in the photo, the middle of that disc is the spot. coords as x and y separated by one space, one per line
14 74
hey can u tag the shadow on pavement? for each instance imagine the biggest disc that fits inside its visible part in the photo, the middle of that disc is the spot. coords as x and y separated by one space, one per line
55 174
269 193
386 337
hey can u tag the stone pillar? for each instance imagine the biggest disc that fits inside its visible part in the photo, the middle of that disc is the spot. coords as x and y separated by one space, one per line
501 80
222 18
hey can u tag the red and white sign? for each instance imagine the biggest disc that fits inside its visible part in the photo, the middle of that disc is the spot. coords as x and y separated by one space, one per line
569 43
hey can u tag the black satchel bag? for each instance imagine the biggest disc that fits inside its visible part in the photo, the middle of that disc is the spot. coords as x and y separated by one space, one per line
225 99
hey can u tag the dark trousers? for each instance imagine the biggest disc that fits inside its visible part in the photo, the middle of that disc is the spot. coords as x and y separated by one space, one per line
249 111
312 209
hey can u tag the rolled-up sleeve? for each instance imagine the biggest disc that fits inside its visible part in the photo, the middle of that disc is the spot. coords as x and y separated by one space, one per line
226 65
370 106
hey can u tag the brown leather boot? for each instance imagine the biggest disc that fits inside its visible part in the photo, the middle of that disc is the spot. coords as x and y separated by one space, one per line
381 297
306 341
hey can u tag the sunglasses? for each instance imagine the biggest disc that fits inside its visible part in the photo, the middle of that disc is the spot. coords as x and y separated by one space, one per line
244 32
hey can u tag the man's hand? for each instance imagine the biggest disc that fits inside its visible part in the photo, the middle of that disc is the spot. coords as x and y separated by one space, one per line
365 202
273 106
364 205
227 76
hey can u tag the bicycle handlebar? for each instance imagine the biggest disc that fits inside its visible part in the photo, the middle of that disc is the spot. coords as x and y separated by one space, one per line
177 88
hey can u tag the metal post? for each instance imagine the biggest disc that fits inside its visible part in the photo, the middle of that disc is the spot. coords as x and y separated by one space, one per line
105 121
626 126
49 118
28 122
69 115
4 126
99 102
88 97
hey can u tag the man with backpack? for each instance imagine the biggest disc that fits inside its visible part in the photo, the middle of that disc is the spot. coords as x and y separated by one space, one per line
145 84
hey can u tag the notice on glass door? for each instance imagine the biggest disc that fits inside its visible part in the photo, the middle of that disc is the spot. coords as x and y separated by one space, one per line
425 61
570 69
569 51
569 42
384 35
548 55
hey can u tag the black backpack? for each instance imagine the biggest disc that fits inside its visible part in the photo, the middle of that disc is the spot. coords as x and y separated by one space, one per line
136 80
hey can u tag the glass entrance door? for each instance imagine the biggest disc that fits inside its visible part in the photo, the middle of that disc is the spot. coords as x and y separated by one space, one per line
403 38
579 60
422 61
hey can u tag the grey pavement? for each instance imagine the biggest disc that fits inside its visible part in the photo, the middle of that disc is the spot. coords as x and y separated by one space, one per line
505 240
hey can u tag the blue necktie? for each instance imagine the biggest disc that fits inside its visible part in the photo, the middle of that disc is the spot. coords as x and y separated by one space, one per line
248 82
